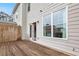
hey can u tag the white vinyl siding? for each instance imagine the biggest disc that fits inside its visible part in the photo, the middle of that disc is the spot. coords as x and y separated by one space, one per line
72 14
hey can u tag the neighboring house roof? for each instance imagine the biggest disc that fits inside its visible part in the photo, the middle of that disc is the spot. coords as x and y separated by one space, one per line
15 8
4 17
4 14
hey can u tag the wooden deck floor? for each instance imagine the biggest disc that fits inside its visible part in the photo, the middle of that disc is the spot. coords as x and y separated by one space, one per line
26 48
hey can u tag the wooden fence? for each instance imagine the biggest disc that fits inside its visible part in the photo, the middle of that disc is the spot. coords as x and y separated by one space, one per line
9 32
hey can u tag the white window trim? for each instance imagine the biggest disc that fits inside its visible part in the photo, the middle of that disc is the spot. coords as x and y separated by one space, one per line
66 22
52 25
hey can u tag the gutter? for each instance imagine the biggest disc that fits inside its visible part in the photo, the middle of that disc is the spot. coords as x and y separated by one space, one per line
15 8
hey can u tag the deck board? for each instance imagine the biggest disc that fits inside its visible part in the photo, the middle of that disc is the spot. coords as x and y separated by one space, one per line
26 48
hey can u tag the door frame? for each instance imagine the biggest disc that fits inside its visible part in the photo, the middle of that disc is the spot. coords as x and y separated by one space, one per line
33 31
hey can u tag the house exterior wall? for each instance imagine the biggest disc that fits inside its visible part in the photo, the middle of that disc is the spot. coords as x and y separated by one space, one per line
24 21
20 17
71 44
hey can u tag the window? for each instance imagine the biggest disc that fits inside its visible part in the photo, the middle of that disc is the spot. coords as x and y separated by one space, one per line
47 25
59 23
11 20
30 30
28 7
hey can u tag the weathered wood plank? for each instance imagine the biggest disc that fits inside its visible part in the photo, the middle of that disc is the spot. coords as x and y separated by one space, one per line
26 48
9 32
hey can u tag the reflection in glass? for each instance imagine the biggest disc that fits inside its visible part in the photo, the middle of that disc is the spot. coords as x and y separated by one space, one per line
47 25
59 25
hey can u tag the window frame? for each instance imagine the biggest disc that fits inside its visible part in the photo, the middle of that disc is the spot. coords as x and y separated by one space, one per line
29 4
66 10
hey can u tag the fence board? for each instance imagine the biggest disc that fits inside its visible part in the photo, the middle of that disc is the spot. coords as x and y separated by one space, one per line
9 32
